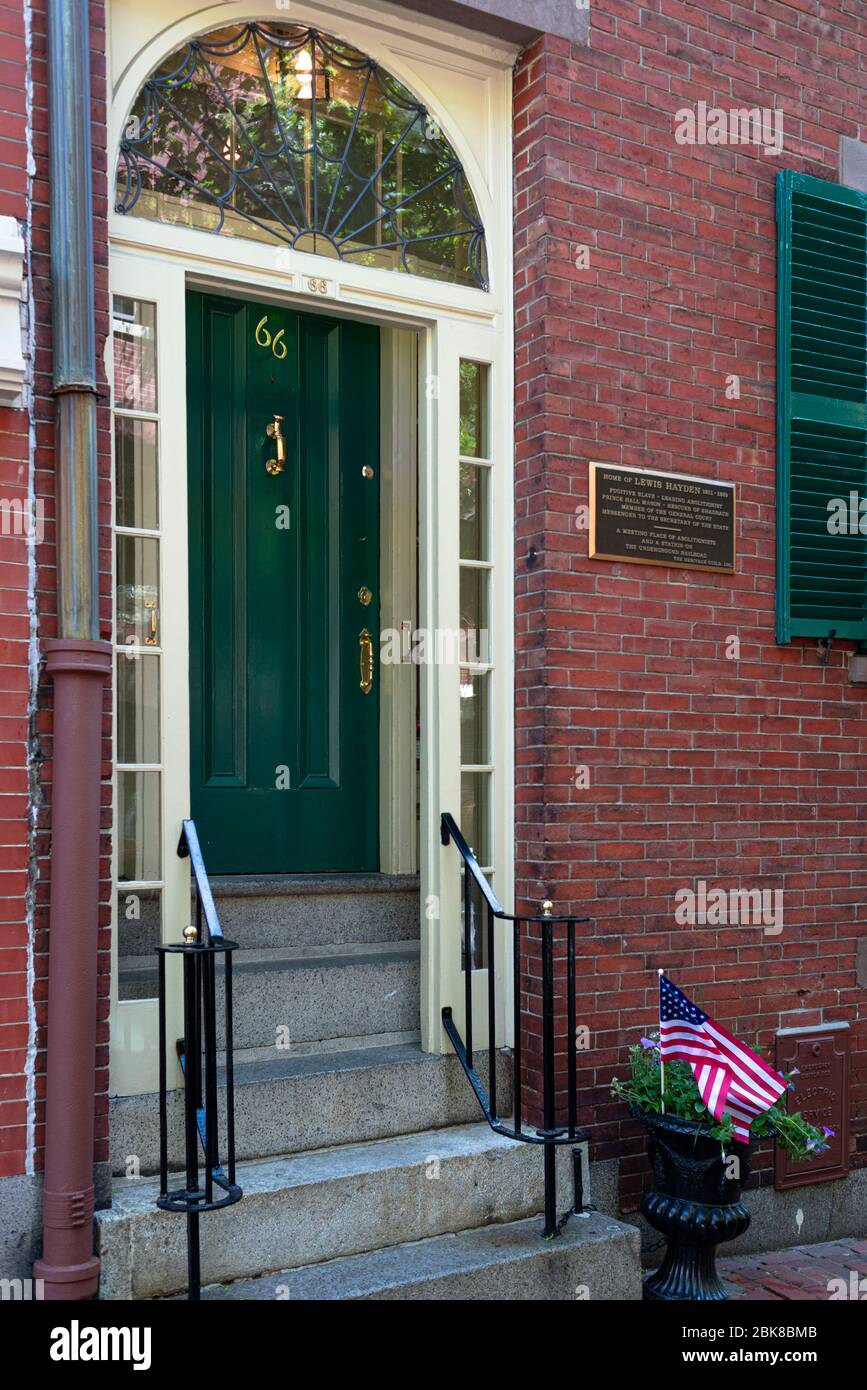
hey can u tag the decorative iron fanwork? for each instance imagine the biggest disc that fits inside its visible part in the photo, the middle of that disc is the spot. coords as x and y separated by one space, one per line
288 136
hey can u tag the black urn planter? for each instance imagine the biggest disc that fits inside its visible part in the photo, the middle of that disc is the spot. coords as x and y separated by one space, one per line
693 1204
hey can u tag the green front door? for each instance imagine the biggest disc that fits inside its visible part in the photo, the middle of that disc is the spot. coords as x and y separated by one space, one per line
284 588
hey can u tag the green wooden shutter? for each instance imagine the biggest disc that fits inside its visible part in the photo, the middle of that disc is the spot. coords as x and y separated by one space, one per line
821 405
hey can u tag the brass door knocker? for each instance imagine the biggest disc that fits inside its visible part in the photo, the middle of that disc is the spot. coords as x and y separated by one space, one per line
275 431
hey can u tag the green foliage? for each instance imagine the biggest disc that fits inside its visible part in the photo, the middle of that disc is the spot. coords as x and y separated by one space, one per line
642 1089
473 397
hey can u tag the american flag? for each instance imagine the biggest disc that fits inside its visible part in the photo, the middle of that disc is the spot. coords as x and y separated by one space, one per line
731 1079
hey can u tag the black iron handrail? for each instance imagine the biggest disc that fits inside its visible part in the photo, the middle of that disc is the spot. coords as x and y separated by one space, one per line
551 1136
197 1055
188 845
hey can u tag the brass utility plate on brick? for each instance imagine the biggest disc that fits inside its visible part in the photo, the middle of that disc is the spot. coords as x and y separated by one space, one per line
821 1056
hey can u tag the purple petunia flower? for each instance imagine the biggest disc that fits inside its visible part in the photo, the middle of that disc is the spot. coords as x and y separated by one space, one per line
829 1133
648 1044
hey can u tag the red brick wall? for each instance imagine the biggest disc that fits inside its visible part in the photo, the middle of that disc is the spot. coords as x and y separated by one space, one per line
14 660
748 772
15 843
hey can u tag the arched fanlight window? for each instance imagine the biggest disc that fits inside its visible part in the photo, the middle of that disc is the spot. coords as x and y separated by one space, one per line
283 135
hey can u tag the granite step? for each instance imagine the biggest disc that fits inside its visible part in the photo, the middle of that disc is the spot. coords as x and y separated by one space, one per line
310 994
297 1100
595 1258
312 910
327 1204
299 910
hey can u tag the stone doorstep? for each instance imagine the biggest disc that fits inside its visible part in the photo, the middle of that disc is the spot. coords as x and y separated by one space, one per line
326 1205
288 1102
594 1258
309 910
311 885
311 994
303 911
347 992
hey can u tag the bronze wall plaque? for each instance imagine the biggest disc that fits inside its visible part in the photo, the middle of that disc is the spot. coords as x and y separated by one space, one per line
651 518
821 1056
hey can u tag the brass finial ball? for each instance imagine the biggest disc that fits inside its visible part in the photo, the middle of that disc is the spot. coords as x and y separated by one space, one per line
191 936
547 907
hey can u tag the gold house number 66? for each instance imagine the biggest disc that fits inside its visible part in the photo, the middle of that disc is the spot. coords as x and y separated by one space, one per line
264 339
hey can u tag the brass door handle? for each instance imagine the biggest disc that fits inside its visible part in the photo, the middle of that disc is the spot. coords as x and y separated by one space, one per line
150 605
275 431
365 660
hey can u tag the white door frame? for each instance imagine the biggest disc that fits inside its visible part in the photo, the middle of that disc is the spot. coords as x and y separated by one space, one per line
468 89
398 605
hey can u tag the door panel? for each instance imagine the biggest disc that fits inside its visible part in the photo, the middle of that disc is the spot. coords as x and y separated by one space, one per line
284 746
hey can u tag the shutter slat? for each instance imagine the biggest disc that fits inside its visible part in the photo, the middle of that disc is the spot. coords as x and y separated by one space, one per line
821 406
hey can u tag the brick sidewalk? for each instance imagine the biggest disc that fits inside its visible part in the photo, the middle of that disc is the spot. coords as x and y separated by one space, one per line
802 1273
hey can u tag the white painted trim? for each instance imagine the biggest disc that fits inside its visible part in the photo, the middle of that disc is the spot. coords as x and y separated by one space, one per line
134 1022
465 86
13 287
451 322
398 532
440 939
373 26
389 294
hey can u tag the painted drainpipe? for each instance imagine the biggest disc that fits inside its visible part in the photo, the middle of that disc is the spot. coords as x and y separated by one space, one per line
78 663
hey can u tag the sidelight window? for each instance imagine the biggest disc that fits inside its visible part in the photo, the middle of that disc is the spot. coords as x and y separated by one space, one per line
475 674
137 644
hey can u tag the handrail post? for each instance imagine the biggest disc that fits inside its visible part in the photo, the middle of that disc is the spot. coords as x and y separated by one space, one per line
577 1182
492 1018
516 1049
210 1090
197 1051
164 1127
548 1074
548 1135
192 1048
571 1025
468 970
230 1069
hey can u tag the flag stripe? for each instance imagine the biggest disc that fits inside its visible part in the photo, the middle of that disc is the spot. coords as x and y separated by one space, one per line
730 1078
771 1075
762 1077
